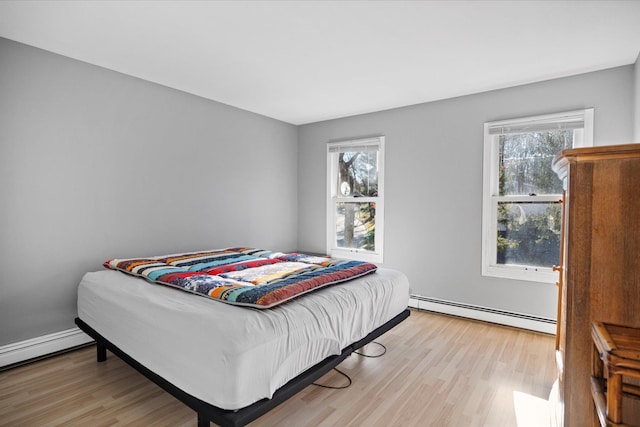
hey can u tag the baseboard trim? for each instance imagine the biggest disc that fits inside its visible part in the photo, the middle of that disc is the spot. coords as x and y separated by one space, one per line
486 314
36 348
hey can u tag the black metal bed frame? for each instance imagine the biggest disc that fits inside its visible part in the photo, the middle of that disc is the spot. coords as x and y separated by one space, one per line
226 418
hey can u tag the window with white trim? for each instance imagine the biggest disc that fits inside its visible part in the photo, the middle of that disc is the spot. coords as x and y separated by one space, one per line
522 212
355 199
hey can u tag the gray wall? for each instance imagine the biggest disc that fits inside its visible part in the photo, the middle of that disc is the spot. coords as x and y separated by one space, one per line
433 181
95 164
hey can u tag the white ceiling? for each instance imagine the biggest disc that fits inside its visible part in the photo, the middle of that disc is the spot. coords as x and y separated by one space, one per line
307 61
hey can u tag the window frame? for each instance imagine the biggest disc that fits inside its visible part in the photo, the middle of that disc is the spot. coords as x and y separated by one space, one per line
491 197
332 199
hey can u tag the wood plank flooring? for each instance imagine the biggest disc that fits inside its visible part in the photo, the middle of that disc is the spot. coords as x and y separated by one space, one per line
438 371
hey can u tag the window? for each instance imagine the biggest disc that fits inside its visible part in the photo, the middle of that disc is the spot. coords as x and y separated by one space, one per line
522 196
355 199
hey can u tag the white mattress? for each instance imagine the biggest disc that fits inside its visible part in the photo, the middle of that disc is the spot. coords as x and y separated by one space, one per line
232 356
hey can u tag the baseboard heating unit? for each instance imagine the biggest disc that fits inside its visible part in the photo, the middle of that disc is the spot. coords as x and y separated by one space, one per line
15 354
486 314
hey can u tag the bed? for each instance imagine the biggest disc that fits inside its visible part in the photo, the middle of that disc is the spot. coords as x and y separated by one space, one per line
233 361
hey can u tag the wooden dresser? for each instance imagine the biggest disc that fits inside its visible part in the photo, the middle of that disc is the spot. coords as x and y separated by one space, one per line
600 271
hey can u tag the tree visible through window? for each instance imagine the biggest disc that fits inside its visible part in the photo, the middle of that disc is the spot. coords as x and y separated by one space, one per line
358 178
529 231
355 203
522 212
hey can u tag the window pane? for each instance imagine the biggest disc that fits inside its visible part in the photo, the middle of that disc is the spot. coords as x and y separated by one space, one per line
355 225
529 233
525 162
357 173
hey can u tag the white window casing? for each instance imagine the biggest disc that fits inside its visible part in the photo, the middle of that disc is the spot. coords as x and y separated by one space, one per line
581 122
334 197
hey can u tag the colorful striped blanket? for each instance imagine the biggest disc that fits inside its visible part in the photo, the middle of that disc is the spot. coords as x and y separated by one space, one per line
244 276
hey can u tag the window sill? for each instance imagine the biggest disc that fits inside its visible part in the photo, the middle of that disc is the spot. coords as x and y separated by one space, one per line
356 255
529 274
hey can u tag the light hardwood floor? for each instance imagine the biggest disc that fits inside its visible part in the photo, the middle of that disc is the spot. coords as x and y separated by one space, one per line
438 371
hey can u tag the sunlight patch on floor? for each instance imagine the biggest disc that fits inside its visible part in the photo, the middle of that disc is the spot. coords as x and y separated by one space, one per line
531 411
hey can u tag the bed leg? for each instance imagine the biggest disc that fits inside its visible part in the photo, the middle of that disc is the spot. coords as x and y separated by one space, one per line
101 351
202 421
